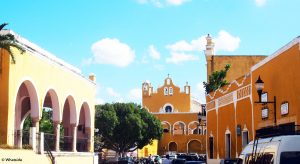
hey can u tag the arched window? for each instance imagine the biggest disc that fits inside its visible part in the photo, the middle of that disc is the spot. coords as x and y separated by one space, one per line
170 91
166 91
168 109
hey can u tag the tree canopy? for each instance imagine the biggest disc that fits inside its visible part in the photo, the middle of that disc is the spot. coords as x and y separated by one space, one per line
216 80
7 41
124 127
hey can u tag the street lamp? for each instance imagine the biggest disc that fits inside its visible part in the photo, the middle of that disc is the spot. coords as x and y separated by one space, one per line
259 85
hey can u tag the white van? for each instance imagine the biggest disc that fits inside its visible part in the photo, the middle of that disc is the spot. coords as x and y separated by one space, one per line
273 150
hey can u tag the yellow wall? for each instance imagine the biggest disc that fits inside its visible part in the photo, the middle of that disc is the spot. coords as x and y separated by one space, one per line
226 108
155 101
4 85
44 73
180 101
240 65
148 149
281 78
280 75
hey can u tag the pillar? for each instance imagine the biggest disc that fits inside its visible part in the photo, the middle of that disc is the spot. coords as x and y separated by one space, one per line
57 134
32 138
19 139
74 129
89 142
35 123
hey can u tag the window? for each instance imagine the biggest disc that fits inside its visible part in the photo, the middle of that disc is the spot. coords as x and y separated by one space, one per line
168 81
245 139
227 146
266 157
166 91
290 157
168 109
170 91
211 147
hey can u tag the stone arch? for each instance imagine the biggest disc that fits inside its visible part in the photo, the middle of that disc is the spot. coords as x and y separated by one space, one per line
51 101
179 127
166 126
194 146
69 123
172 146
193 127
26 103
84 128
168 107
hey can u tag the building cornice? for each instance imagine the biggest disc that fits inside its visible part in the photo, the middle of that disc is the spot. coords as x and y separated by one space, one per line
278 52
40 52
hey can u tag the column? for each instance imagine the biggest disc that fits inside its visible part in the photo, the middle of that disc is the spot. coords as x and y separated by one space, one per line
89 141
19 139
74 129
35 123
57 134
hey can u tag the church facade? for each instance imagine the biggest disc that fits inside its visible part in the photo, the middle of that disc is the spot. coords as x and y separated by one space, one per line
183 119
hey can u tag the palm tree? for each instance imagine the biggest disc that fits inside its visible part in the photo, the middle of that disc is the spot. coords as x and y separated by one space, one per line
7 41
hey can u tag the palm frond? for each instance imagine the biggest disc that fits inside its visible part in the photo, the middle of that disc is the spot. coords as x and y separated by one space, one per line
3 25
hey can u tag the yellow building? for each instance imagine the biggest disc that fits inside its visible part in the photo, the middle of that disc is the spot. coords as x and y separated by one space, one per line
240 64
182 132
40 80
234 116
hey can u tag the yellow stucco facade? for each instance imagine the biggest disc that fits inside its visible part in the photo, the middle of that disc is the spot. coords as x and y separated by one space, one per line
172 106
233 115
39 79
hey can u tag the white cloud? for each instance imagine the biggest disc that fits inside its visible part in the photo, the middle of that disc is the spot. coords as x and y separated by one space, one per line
163 3
194 45
226 42
177 58
135 94
260 3
112 51
200 93
153 52
111 92
176 2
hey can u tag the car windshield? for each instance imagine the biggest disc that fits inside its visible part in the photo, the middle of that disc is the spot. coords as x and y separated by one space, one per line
290 157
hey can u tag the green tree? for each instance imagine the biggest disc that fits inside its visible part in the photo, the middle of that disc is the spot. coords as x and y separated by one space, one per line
124 127
216 80
7 41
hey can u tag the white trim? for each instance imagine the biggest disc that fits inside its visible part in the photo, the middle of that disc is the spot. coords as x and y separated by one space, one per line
40 52
230 148
169 124
275 54
228 86
192 122
184 127
164 108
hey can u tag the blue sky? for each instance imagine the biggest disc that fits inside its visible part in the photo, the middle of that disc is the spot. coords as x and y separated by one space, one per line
125 42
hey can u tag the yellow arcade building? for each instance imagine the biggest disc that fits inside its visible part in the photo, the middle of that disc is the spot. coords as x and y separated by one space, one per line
179 115
40 80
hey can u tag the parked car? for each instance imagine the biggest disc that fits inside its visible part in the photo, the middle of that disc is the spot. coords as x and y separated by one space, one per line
277 150
230 161
125 160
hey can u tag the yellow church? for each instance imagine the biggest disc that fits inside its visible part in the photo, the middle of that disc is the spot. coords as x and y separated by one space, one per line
40 80
182 118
